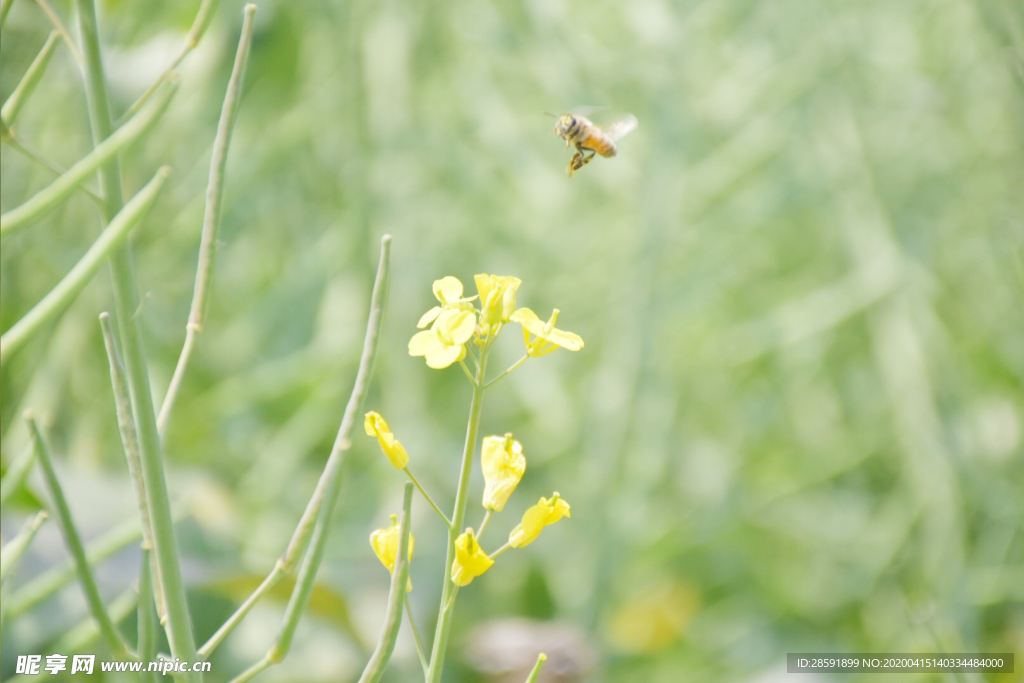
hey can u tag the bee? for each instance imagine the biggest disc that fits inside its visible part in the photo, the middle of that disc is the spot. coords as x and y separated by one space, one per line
589 138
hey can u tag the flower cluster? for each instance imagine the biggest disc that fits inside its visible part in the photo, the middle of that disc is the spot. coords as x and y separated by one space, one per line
456 328
458 319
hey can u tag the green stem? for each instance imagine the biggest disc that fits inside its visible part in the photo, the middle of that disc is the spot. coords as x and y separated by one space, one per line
228 626
430 500
65 292
199 24
211 217
34 156
16 547
148 622
59 25
105 152
5 7
399 585
126 298
483 524
444 620
130 443
48 583
17 473
74 543
465 369
314 526
541 658
510 369
28 83
416 635
499 551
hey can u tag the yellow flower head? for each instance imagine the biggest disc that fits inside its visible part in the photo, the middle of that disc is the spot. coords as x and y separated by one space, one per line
445 342
546 511
548 337
392 447
470 560
497 299
447 290
385 545
503 465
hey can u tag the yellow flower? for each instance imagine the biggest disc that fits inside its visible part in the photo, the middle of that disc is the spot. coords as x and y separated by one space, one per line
503 465
392 447
447 290
546 511
497 299
470 560
385 545
548 337
444 343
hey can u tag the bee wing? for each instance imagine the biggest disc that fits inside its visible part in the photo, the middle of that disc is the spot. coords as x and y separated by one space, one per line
621 127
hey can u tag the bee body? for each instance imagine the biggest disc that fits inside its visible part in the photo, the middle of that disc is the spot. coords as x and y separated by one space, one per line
590 139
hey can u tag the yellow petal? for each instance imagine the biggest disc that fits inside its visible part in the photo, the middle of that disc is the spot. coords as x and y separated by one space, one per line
470 560
567 340
428 317
456 326
375 424
443 356
385 546
545 512
503 464
529 320
424 343
448 289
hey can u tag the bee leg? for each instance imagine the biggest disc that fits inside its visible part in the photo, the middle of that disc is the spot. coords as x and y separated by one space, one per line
575 164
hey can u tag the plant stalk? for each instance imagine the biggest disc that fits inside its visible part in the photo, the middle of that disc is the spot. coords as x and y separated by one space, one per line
444 619
399 585
126 298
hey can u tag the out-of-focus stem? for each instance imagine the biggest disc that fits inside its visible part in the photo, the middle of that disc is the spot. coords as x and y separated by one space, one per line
199 24
126 299
448 591
16 547
399 585
74 543
65 291
315 522
28 82
211 217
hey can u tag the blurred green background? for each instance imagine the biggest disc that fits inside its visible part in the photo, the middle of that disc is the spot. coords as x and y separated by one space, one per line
797 424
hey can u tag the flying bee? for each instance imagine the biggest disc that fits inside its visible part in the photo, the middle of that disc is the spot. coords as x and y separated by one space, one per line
589 138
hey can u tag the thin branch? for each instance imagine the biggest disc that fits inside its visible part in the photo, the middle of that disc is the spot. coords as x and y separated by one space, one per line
20 217
510 369
12 551
74 543
49 582
28 82
541 658
430 500
312 527
416 635
211 218
17 473
130 443
126 299
32 155
199 25
61 296
64 33
396 596
483 524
